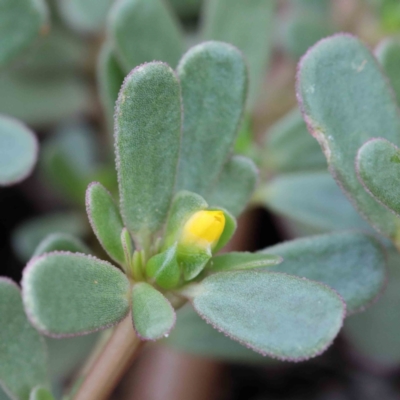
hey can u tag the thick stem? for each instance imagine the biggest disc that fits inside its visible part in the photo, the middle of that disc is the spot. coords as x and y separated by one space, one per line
115 358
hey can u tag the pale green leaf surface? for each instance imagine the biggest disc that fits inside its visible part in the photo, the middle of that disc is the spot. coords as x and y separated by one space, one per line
144 31
242 260
20 24
249 27
3 395
105 220
27 236
22 350
67 294
235 185
147 142
312 198
375 333
336 72
61 242
41 393
352 263
289 147
229 230
378 168
18 151
152 314
275 314
213 77
388 54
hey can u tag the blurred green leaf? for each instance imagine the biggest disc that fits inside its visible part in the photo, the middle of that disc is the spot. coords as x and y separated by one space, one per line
18 151
346 100
152 314
354 264
147 142
249 27
41 393
27 236
144 31
275 314
22 350
69 294
21 21
105 220
61 242
289 147
213 77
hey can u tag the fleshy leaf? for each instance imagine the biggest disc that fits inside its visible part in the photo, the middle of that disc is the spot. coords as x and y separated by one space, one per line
22 351
375 333
288 146
235 185
144 31
248 26
354 264
68 294
312 198
242 260
388 53
229 230
275 314
18 151
21 22
61 242
378 168
41 393
213 77
105 220
153 316
336 72
147 137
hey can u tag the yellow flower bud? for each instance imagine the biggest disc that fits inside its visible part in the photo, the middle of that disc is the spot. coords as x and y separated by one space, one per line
203 229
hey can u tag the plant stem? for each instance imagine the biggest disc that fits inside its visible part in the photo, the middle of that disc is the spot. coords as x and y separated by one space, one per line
115 358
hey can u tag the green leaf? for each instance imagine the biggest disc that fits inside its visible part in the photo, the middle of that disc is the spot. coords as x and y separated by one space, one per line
312 198
163 269
18 151
3 395
214 81
68 294
184 204
375 333
27 236
109 80
105 220
21 21
275 314
242 260
153 316
144 31
354 264
248 26
86 16
229 230
388 53
41 393
378 168
235 185
147 137
186 9
338 72
61 242
193 261
193 335
289 147
22 350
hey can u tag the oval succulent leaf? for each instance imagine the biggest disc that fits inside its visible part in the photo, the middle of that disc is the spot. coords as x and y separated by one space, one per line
152 314
22 350
105 220
147 142
68 294
18 151
213 77
41 393
61 242
378 168
352 263
337 72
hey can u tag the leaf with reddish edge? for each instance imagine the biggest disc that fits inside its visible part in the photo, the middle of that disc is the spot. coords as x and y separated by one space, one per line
274 314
